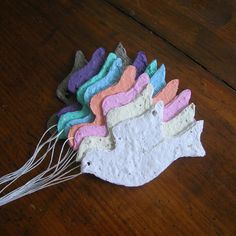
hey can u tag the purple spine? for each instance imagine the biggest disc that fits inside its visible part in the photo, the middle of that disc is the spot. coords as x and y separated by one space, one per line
70 108
92 68
140 63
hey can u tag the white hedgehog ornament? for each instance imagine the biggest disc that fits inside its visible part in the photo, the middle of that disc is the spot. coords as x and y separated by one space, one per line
143 149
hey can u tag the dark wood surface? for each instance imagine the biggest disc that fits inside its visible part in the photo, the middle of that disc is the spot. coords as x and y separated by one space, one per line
203 30
193 196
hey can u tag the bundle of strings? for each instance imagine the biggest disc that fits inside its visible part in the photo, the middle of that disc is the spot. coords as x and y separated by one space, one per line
122 123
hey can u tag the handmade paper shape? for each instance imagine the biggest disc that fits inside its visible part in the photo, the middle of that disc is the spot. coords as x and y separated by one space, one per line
104 85
112 76
71 119
80 92
157 80
167 93
122 85
133 109
142 150
70 108
140 63
102 73
88 71
126 82
122 54
98 128
117 100
124 97
80 61
151 68
86 115
62 89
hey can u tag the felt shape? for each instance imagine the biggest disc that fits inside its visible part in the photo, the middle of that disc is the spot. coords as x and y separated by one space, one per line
88 71
126 81
73 107
120 50
158 79
142 150
62 92
167 93
135 108
180 121
83 120
141 102
99 128
140 63
99 86
122 98
81 91
55 117
177 105
74 124
90 117
117 100
112 76
151 68
80 61
132 109
102 73
122 54
67 97
171 128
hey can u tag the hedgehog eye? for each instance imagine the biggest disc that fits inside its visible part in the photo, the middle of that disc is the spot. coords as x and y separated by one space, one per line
154 112
67 94
88 163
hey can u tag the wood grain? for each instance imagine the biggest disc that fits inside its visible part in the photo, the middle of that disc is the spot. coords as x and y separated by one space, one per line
192 197
203 30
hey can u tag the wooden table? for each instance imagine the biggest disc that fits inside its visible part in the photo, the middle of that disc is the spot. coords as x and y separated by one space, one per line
196 40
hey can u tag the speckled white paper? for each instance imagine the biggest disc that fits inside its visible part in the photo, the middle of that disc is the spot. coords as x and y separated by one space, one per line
141 104
179 122
135 108
143 150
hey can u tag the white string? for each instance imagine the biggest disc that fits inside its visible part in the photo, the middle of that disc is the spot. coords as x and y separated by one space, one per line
54 174
33 186
27 166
